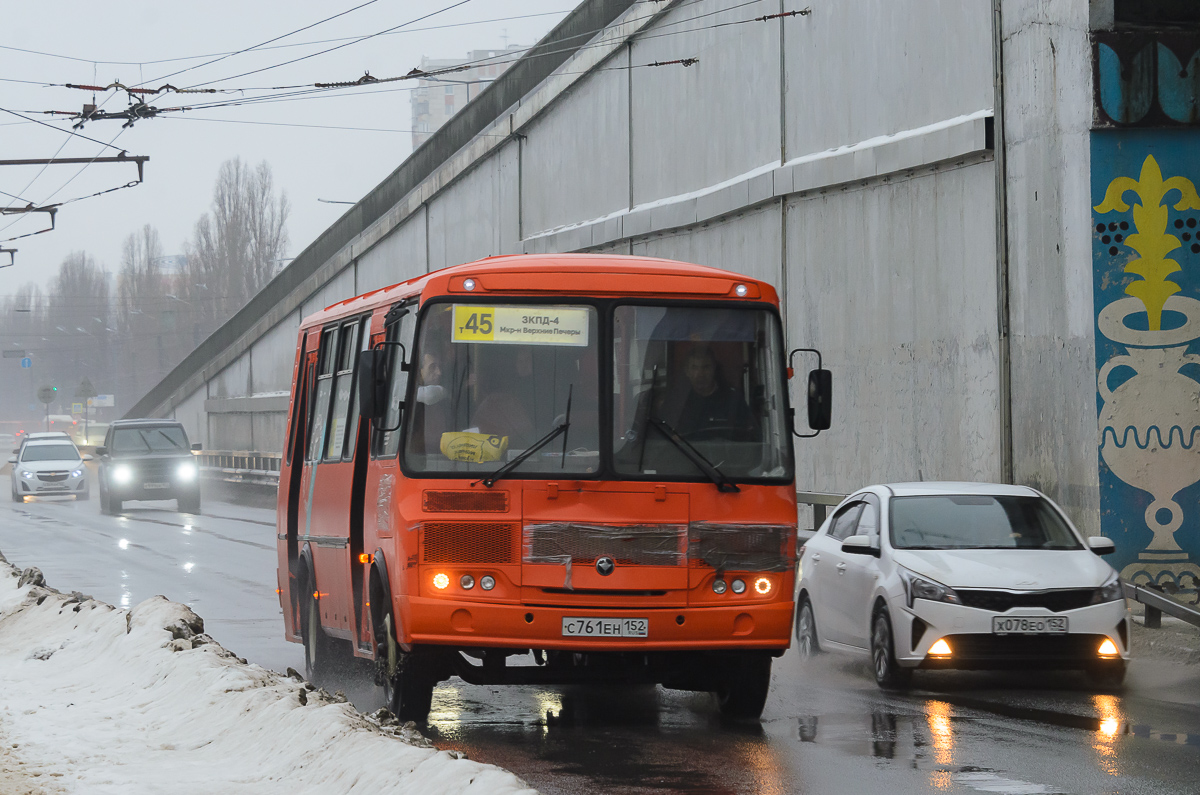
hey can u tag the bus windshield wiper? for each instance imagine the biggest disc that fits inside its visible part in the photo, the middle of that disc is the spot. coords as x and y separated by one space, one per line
559 429
694 455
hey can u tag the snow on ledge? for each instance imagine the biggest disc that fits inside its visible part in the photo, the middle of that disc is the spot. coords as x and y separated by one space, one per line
101 700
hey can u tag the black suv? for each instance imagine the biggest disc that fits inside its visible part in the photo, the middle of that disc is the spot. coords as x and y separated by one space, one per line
148 460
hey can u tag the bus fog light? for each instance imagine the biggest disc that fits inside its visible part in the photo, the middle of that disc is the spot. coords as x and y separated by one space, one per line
441 581
487 582
1107 648
763 586
467 582
719 586
940 648
738 586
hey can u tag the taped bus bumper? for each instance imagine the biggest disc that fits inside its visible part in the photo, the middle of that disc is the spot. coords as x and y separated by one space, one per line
473 624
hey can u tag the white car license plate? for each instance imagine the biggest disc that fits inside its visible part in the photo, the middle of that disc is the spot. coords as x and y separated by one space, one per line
605 627
1029 625
156 485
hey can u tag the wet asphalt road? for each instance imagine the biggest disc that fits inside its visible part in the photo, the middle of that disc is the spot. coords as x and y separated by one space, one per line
826 728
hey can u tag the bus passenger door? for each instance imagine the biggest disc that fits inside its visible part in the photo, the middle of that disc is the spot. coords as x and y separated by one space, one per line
382 478
291 476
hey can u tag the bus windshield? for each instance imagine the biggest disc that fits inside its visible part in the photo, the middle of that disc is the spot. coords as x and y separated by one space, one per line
698 381
494 380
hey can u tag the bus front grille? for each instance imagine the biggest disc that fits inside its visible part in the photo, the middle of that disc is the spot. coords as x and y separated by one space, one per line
468 542
637 545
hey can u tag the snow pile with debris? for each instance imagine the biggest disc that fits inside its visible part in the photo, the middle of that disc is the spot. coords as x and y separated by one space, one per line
99 700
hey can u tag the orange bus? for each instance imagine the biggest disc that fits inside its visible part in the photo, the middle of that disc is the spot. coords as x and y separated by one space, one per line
545 469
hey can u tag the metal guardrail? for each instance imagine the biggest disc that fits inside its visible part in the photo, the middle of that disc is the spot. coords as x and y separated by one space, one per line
241 466
1158 603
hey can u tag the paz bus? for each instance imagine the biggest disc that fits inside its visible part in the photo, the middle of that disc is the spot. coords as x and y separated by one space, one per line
545 469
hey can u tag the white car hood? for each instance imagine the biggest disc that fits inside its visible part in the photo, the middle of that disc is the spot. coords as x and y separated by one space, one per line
1013 569
50 466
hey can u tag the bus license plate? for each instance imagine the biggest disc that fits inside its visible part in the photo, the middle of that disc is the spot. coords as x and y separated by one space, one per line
605 627
1029 625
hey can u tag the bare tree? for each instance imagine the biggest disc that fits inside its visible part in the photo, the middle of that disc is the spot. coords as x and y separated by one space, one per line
237 246
146 343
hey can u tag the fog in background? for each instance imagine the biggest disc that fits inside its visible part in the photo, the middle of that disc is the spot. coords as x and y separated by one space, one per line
130 281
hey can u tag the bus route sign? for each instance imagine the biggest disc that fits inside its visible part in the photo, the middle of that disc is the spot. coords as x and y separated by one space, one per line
521 325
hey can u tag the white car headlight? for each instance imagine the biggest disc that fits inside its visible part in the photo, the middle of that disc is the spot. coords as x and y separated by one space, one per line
27 474
78 473
918 587
1110 591
186 472
122 474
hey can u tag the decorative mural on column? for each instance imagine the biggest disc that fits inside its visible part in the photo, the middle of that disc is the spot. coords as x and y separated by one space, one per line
1145 148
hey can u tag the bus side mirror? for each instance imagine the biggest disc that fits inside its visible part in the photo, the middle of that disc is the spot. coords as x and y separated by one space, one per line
820 399
819 396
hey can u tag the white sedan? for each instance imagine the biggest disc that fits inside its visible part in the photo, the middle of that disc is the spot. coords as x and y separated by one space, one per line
960 575
49 467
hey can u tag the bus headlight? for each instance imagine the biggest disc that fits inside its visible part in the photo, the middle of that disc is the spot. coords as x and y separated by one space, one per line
186 472
487 582
738 586
719 586
441 581
122 474
762 586
467 582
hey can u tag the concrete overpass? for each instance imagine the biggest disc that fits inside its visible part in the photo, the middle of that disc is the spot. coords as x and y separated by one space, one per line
849 155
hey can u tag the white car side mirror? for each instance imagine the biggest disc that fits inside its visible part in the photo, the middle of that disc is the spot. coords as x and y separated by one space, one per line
859 545
1101 545
12 459
87 456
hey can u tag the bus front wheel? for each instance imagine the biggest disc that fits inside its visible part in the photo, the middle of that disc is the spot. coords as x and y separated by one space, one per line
407 683
742 693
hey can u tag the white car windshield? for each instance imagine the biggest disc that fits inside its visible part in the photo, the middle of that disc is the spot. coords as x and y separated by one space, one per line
50 452
975 521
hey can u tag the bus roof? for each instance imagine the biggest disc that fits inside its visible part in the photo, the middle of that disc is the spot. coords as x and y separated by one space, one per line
559 274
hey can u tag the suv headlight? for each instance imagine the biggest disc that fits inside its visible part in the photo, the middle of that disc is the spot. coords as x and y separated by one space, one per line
918 587
1110 591
122 474
186 472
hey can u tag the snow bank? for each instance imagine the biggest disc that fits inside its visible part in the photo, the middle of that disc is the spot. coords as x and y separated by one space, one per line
99 700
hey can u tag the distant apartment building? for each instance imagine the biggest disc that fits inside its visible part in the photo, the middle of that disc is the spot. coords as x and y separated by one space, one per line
436 99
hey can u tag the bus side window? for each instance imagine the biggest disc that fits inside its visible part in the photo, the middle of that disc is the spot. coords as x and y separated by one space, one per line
301 398
344 379
401 330
364 336
320 405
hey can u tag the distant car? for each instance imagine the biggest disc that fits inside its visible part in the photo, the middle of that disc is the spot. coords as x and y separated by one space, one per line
148 460
960 575
46 467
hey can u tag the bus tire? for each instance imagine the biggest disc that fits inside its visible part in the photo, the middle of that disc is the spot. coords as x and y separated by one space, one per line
407 684
742 693
316 642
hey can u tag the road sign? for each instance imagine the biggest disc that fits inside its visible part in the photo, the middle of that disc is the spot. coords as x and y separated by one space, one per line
76 408
86 390
47 394
101 401
26 363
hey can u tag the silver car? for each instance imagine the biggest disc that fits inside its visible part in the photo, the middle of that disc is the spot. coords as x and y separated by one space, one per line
49 467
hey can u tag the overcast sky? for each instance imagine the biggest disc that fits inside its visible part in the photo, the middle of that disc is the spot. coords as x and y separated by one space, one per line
121 42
